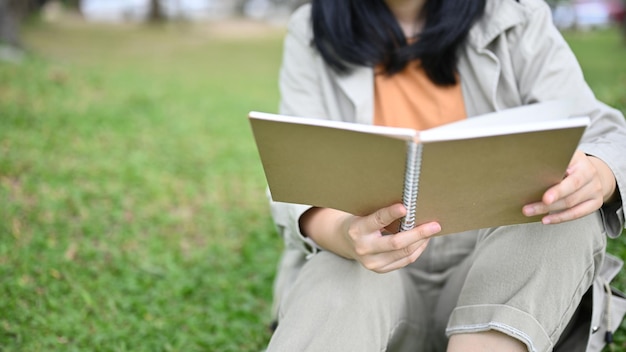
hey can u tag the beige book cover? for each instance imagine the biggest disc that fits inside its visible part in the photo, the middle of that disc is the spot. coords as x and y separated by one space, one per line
473 174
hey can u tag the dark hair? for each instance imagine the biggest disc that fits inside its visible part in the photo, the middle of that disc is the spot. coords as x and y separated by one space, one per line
365 33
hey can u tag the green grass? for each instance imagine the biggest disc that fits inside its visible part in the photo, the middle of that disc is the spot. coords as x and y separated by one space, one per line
132 206
602 55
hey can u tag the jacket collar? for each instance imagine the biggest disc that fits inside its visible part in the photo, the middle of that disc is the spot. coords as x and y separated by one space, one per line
499 16
358 86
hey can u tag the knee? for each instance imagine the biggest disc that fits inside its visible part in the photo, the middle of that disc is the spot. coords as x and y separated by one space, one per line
332 283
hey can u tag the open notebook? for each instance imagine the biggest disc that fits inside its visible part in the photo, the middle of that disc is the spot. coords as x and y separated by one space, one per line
471 174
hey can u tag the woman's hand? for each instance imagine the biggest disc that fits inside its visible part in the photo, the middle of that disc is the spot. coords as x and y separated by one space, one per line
587 185
362 239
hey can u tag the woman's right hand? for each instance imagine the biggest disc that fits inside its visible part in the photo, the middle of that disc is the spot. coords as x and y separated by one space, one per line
362 239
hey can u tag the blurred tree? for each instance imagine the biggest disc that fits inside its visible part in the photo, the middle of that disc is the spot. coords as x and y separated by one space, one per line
72 4
12 12
292 4
239 6
155 13
9 24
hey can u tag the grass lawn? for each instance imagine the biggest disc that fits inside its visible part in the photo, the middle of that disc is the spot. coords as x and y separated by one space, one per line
132 206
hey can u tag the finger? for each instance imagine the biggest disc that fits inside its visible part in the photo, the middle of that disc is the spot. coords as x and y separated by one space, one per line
579 211
381 218
365 232
397 247
579 173
403 240
398 242
577 179
405 260
570 185
589 192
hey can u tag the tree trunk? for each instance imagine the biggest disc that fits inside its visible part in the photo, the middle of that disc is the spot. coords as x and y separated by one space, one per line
9 24
73 5
240 7
297 3
155 14
12 12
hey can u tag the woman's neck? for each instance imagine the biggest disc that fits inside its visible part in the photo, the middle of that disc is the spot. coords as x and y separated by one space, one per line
409 15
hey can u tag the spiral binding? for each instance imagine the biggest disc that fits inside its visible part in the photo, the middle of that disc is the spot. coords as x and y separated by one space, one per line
411 183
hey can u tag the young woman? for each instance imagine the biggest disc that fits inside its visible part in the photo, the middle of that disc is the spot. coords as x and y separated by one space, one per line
342 286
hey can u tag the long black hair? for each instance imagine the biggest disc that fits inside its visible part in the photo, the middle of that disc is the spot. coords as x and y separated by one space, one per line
365 33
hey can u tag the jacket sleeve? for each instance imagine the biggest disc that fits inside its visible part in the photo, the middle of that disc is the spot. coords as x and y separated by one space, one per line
300 96
547 69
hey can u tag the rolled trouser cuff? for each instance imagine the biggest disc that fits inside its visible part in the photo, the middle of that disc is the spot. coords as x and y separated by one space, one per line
505 319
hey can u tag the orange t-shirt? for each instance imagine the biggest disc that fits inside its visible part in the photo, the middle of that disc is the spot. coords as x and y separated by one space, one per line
410 99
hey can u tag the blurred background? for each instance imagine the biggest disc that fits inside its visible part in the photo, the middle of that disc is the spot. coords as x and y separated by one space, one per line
133 214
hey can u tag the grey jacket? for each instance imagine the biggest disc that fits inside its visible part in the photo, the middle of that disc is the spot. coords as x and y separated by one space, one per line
514 56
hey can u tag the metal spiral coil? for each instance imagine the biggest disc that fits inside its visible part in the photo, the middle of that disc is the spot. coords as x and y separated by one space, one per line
411 183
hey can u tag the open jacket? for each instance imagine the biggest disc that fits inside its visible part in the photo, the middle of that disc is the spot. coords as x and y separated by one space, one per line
513 56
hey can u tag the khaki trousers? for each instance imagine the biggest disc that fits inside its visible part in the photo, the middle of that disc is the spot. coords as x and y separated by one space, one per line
524 280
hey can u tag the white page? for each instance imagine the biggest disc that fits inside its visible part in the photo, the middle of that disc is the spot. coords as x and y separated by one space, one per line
437 134
551 110
403 133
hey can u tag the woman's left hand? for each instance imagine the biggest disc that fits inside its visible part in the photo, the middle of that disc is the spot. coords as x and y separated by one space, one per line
588 184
